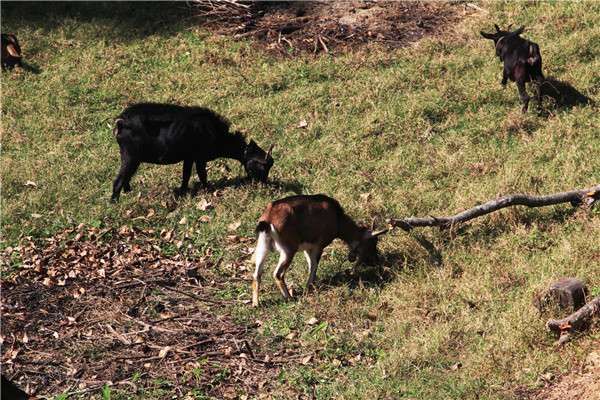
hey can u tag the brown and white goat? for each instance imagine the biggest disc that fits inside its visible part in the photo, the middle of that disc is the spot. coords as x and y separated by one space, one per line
308 224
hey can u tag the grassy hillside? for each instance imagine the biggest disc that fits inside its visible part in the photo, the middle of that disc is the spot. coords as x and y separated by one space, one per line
425 130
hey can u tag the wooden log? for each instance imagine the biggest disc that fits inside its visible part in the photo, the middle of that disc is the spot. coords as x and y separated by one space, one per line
575 322
575 197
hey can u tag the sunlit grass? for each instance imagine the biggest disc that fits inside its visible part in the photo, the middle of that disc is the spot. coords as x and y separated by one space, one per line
426 130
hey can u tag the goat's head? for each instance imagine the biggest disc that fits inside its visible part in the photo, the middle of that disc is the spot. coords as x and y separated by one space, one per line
256 162
499 35
11 51
366 246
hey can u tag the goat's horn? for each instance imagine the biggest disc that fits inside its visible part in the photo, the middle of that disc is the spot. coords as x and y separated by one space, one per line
373 223
508 27
269 151
497 27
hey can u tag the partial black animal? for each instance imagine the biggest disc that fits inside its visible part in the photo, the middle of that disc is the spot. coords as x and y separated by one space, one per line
522 62
167 134
11 392
11 51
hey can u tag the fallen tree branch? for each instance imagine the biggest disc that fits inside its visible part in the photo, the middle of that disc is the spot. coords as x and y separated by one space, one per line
576 321
575 197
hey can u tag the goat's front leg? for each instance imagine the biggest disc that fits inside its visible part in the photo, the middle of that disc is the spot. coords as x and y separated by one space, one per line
312 257
284 262
201 170
187 172
504 78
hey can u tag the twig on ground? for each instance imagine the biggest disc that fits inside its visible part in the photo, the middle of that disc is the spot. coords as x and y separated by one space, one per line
193 296
150 326
121 338
477 8
322 43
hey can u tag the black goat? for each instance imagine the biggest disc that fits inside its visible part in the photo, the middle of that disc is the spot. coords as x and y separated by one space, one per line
522 62
167 134
11 51
11 392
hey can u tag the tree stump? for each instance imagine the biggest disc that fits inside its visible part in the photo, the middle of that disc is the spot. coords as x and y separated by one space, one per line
567 293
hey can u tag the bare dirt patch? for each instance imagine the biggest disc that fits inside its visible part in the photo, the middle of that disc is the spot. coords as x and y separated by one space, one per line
323 26
584 385
92 307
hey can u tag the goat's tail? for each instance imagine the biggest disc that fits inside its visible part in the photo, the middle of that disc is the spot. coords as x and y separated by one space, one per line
264 243
262 227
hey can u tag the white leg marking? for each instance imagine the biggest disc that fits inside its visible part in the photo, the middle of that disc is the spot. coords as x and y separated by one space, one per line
263 248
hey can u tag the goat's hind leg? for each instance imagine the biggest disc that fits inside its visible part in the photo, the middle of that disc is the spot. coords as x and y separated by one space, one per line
285 260
537 82
128 168
263 248
524 96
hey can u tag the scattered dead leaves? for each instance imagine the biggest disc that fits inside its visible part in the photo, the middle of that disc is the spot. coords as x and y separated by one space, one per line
90 307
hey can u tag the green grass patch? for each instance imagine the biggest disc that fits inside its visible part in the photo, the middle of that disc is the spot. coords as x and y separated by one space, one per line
426 130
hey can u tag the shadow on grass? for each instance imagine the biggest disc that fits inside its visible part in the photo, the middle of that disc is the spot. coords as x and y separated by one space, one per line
31 69
563 95
239 182
121 20
374 273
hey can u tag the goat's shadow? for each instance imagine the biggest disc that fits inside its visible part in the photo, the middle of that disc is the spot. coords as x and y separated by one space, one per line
24 67
31 69
376 273
563 95
240 182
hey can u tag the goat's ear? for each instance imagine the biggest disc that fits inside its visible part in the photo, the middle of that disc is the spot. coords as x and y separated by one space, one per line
12 51
487 35
518 31
269 152
372 234
379 233
250 149
119 122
